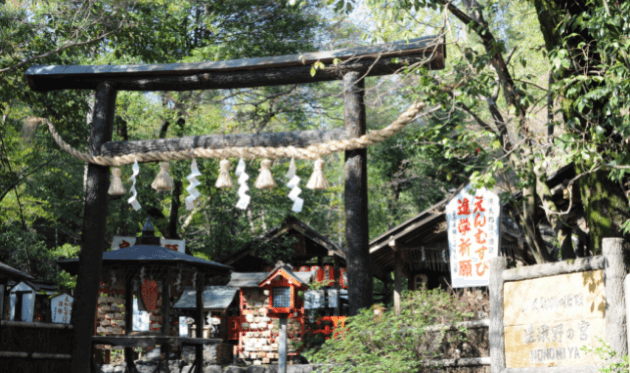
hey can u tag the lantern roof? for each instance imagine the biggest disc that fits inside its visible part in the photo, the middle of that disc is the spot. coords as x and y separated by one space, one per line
142 255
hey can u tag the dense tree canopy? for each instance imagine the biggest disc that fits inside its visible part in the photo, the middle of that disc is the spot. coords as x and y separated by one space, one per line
530 86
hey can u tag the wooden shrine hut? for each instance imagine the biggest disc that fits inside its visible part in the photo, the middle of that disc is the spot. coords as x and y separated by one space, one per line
418 248
8 276
351 66
308 251
266 297
124 268
308 247
29 301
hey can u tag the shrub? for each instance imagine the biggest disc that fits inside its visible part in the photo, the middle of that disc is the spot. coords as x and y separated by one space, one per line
373 343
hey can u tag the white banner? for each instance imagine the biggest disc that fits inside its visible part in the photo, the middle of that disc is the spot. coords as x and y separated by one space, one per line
120 242
473 235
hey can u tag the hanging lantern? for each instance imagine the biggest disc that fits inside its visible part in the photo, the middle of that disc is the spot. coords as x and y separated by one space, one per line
163 181
116 188
224 180
265 179
318 179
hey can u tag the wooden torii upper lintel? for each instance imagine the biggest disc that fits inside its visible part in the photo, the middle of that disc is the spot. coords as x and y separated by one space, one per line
380 59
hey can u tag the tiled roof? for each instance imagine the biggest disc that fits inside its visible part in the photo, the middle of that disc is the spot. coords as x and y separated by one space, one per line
214 298
12 272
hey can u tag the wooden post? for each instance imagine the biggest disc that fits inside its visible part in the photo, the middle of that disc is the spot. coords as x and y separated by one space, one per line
199 321
626 289
614 273
3 296
356 198
166 312
495 331
387 287
93 237
282 346
337 274
129 321
397 281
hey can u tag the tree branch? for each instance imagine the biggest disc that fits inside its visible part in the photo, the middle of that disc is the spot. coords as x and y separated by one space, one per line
55 51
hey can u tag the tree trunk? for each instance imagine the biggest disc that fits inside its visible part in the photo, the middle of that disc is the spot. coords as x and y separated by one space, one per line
605 208
529 220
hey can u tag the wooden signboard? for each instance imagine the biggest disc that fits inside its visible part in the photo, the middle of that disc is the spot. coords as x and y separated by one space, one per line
473 219
61 307
548 320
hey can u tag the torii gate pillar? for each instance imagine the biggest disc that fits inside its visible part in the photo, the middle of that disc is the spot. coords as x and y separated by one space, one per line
356 197
93 231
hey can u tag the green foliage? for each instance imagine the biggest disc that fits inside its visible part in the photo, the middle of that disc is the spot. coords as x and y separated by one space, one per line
613 364
385 342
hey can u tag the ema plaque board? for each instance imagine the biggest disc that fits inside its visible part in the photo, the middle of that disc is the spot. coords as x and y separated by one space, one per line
548 320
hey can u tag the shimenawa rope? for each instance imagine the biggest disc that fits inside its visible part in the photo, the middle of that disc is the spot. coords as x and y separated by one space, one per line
310 152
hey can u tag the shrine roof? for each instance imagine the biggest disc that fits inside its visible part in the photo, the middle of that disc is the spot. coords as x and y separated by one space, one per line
246 280
318 244
148 254
214 298
302 278
9 272
253 279
37 286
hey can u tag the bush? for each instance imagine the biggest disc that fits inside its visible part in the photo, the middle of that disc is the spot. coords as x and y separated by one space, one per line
387 343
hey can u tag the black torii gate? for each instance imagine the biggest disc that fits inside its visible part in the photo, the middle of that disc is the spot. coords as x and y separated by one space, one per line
107 80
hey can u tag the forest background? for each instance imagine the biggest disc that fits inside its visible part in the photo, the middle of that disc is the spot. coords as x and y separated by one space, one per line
529 86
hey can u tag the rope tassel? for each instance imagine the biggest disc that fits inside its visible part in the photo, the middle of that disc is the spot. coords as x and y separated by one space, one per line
265 179
163 181
318 179
224 180
116 188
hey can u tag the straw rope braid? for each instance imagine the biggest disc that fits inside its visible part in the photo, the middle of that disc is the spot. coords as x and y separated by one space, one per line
310 152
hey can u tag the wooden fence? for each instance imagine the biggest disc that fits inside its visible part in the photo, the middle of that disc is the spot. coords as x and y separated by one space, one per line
28 347
469 362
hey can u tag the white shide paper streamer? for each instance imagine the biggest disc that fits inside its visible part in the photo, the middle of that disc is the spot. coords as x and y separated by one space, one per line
244 199
193 193
133 200
298 202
